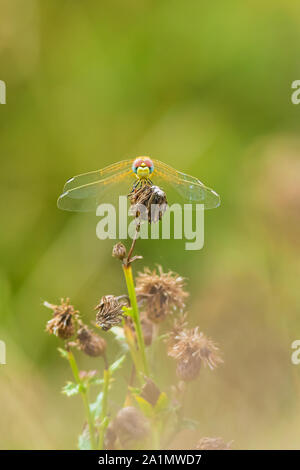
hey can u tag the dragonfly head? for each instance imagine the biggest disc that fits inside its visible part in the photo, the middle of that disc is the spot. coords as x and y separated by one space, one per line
143 167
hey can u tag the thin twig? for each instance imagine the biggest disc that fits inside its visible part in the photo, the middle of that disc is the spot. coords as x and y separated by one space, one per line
129 260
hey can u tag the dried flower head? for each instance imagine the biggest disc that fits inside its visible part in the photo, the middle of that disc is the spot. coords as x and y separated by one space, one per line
191 348
109 312
188 370
213 443
163 292
119 251
131 427
148 203
110 437
64 319
90 343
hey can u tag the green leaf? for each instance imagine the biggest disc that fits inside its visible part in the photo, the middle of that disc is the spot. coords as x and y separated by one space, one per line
96 407
71 389
117 364
127 311
162 403
84 442
95 381
145 407
63 353
119 335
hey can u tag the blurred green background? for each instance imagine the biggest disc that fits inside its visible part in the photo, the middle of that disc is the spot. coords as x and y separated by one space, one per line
206 88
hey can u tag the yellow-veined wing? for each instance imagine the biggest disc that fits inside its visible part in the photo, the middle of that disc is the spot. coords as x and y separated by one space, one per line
185 188
94 176
87 197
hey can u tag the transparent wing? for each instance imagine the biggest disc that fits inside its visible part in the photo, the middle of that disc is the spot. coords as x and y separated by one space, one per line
183 188
94 176
87 197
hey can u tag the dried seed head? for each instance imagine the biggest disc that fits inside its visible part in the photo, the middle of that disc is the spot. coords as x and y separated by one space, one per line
190 347
180 323
110 437
163 293
109 312
150 392
188 370
64 319
213 443
131 427
119 251
90 343
148 203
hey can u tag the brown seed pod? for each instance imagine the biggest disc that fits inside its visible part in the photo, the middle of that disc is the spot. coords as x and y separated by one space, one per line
131 427
188 370
90 343
109 312
64 319
148 203
119 251
162 293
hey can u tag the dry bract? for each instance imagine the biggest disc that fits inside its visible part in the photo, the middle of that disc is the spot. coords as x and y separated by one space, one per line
150 392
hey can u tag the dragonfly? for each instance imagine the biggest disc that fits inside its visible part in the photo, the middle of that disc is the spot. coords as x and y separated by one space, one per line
85 192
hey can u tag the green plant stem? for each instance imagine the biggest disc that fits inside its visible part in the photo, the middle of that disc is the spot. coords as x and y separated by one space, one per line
133 351
155 437
136 317
103 420
83 392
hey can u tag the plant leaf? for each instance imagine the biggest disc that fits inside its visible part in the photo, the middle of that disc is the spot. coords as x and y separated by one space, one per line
127 311
71 389
145 406
117 364
84 442
63 353
96 407
162 403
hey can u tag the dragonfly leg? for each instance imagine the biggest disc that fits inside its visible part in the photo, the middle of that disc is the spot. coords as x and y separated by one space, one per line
135 186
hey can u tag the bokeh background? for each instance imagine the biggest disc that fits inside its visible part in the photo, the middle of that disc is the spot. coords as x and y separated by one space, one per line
205 87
